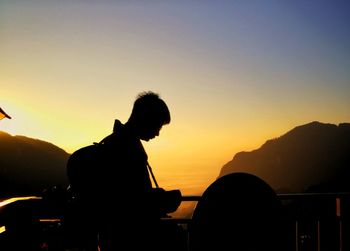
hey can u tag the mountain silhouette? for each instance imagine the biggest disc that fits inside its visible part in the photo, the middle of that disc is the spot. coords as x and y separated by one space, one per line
29 166
310 157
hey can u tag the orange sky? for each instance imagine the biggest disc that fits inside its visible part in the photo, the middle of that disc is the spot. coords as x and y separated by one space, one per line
233 74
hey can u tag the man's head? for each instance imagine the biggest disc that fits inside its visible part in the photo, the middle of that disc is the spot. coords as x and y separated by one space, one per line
148 115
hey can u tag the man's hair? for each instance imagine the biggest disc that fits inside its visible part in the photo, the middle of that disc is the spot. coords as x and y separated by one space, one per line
149 106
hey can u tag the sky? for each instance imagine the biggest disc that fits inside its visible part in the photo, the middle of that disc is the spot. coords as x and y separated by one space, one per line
233 73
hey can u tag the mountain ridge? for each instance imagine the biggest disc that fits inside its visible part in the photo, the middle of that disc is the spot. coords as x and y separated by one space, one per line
28 165
308 156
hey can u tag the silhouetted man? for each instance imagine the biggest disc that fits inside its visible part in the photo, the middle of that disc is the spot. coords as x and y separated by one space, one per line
116 188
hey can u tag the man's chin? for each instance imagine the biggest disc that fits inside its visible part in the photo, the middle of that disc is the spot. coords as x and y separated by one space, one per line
146 139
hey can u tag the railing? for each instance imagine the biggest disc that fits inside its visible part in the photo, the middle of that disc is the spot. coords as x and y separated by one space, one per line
316 221
320 221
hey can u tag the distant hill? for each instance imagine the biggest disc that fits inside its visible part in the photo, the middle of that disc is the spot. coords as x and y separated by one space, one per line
28 166
311 157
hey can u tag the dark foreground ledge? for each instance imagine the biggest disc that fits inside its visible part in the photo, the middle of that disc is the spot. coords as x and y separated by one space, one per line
317 221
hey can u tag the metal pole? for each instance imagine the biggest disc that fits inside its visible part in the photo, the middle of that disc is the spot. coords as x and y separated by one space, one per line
296 236
318 236
338 213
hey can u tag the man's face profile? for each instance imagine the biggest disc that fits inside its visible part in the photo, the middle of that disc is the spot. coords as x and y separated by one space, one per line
151 131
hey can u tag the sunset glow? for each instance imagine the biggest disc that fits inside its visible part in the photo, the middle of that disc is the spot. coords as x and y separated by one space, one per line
234 74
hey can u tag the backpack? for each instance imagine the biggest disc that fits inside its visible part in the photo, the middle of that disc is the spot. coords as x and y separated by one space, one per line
83 180
81 170
79 219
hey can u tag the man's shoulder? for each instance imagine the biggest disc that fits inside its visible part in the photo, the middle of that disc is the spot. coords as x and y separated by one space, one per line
114 140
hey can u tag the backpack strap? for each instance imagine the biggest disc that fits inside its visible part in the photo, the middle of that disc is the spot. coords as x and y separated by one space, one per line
151 172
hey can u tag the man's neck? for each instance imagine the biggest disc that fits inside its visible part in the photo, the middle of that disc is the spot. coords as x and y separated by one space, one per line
132 129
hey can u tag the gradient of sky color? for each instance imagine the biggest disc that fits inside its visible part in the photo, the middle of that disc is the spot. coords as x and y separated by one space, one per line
234 73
